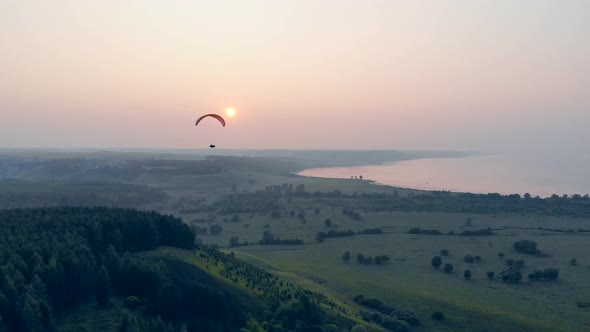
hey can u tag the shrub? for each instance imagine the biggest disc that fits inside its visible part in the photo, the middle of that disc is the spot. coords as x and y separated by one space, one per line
346 256
366 260
366 316
199 230
354 215
216 229
573 262
467 274
478 259
468 222
372 303
387 310
358 328
491 275
360 258
437 315
301 215
536 275
511 276
518 264
133 302
380 260
394 325
550 273
436 261
358 298
328 222
444 252
377 317
527 247
500 255
234 241
469 259
327 328
448 268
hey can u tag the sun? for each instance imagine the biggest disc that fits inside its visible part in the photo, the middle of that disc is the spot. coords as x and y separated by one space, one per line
230 111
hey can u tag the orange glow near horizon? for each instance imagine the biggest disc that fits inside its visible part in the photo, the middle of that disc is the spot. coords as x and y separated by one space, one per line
406 75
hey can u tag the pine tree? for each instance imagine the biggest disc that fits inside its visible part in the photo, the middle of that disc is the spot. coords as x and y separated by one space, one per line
113 263
124 326
103 286
56 285
47 319
30 317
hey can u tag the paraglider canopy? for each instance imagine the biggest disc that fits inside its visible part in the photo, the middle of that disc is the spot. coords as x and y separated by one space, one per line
219 118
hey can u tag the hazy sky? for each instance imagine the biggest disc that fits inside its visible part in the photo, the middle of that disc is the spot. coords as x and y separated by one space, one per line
479 75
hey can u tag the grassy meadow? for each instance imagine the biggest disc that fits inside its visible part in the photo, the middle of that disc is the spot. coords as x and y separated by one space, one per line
214 191
410 281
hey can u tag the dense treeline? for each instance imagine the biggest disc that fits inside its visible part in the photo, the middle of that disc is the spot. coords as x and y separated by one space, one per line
24 194
575 205
418 230
569 230
264 201
436 201
100 168
395 319
371 231
545 274
269 239
321 236
367 260
54 258
479 232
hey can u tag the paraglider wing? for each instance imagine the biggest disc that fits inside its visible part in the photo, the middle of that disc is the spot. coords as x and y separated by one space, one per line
219 118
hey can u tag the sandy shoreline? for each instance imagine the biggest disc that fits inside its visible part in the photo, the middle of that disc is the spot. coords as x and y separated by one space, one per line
502 174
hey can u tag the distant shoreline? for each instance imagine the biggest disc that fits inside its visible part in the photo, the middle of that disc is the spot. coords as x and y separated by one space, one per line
478 174
370 181
367 180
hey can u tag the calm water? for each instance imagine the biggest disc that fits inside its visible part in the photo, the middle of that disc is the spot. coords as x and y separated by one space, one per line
503 174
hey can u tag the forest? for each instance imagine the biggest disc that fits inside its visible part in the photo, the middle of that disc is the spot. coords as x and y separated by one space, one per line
55 259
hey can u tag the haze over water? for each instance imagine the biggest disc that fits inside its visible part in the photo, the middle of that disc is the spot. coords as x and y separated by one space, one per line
499 173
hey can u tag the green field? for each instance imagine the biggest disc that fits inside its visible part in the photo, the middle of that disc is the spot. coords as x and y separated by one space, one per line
408 280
